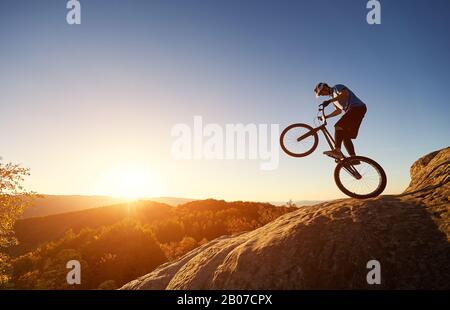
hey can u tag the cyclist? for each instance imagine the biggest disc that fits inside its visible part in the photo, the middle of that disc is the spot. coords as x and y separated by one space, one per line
347 127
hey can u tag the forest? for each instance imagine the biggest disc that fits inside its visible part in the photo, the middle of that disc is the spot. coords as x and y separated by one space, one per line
119 243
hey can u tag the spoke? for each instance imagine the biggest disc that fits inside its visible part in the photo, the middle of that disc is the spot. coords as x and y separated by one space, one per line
291 143
369 182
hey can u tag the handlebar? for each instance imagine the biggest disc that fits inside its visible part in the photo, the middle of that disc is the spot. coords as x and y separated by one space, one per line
322 117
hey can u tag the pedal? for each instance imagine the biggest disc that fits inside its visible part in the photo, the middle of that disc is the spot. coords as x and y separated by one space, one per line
331 156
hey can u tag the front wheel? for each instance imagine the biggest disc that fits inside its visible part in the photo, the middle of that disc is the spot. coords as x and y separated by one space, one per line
299 140
360 177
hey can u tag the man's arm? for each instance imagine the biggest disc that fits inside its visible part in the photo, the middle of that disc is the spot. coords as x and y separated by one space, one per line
342 96
336 112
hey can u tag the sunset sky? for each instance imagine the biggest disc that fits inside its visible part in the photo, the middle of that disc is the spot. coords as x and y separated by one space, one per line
89 108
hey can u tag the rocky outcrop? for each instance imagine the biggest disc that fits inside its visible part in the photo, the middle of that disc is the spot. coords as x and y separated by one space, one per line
327 246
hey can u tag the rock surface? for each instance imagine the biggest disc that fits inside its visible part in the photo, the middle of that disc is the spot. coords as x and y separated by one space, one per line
327 246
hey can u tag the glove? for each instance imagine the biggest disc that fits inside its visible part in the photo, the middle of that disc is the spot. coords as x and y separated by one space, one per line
325 103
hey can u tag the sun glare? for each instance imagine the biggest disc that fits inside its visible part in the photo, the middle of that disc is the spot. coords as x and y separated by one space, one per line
129 182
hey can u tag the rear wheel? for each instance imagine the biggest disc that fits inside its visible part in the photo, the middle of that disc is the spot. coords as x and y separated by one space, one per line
360 177
292 146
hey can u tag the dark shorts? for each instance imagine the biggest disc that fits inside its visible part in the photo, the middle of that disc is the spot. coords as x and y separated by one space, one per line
351 121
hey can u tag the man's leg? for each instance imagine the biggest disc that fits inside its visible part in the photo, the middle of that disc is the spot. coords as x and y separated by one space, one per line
339 136
351 150
349 146
356 116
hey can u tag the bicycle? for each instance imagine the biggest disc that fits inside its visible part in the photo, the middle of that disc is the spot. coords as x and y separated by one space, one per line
356 176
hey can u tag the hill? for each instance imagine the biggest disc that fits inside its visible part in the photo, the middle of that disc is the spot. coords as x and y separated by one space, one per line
118 243
328 246
57 204
33 232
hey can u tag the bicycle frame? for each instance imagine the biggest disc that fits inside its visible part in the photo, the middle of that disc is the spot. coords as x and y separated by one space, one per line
323 128
331 142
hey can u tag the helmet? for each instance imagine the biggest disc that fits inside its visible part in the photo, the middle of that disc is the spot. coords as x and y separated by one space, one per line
319 88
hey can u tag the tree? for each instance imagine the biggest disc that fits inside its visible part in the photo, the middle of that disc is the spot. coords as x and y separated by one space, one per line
13 200
291 204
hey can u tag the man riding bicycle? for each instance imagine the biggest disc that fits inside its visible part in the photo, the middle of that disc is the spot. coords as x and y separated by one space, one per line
347 127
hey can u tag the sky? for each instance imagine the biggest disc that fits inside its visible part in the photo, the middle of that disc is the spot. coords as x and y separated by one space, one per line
89 108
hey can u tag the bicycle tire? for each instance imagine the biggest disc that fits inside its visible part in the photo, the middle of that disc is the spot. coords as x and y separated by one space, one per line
382 184
294 154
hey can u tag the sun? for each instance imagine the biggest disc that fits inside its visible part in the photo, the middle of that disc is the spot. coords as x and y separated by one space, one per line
130 182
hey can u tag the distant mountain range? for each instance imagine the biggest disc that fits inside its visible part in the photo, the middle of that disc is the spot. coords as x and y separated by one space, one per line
118 243
57 204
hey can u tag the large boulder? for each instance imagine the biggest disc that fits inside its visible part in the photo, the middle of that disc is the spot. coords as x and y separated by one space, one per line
327 246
